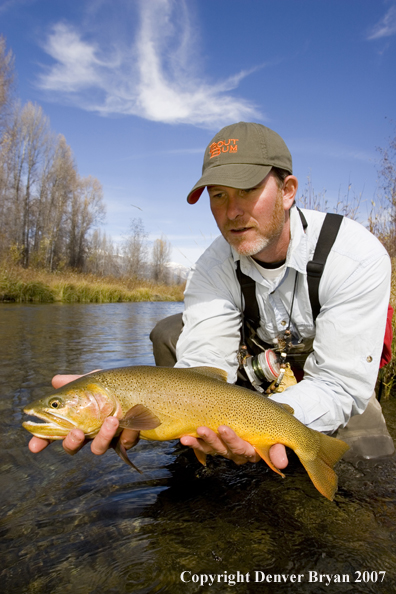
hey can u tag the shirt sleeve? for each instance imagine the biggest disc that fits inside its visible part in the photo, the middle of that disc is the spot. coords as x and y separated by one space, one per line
340 373
212 319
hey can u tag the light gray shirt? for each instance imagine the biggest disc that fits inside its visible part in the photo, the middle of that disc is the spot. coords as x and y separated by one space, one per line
340 373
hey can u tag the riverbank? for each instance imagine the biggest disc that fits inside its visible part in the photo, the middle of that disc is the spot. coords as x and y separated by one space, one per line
21 285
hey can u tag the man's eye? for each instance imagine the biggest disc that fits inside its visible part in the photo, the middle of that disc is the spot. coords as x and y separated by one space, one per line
243 193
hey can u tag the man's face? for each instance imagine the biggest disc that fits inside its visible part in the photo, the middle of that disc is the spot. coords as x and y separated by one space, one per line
252 221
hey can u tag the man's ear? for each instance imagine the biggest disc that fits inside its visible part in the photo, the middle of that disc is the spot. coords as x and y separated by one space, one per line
289 191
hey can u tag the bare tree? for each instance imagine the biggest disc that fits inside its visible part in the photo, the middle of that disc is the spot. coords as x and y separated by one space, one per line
35 131
382 219
47 211
103 258
347 205
87 209
134 249
6 86
58 183
160 257
27 138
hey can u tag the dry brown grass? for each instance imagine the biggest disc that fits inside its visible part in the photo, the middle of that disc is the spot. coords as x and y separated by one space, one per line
29 285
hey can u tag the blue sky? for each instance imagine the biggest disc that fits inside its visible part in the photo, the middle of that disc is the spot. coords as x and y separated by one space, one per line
139 88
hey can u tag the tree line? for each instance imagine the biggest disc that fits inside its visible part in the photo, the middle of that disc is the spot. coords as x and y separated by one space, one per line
132 257
49 214
382 219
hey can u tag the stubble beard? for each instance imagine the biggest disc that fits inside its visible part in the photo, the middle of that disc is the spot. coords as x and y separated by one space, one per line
264 238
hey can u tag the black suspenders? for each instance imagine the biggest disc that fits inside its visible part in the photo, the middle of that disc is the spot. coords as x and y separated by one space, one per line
251 314
315 267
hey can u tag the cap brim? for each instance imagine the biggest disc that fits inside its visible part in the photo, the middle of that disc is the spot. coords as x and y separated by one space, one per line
237 175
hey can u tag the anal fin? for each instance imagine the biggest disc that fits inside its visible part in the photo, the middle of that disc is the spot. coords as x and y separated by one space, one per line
263 452
201 456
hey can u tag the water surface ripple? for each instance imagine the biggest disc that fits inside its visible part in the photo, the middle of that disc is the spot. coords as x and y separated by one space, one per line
89 525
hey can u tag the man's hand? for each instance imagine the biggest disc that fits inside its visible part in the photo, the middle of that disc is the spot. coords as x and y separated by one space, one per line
75 440
226 443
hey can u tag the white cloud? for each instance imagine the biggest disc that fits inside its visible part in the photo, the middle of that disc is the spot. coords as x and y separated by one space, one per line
386 26
155 78
77 64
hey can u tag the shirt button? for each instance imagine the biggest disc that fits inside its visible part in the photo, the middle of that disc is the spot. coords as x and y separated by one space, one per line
283 322
369 359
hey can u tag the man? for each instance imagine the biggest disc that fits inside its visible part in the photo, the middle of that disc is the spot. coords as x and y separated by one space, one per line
248 173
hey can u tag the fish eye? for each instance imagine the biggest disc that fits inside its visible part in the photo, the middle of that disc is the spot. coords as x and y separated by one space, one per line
55 403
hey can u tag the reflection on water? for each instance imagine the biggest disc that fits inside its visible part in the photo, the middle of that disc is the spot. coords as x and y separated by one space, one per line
92 525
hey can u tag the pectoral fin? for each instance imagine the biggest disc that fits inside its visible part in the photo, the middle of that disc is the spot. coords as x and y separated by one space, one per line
121 451
140 418
263 452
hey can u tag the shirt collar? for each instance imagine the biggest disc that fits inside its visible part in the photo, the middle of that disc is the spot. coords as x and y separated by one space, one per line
298 249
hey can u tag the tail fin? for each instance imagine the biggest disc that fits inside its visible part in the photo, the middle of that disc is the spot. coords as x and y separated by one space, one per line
320 469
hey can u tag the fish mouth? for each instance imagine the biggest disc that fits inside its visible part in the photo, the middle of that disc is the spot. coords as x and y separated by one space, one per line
54 428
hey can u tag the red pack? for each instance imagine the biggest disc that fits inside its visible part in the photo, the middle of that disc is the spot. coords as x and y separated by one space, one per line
386 356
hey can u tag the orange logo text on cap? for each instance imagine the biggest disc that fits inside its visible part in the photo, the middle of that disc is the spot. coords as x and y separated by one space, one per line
223 146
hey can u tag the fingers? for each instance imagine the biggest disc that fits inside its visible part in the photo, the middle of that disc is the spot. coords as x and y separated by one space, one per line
36 444
102 441
74 441
60 380
226 443
129 438
278 456
108 431
238 450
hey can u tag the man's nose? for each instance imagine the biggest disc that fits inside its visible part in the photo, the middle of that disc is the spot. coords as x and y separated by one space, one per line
234 207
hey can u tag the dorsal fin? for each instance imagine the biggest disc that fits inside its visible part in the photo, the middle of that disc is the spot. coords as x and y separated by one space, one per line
212 372
287 407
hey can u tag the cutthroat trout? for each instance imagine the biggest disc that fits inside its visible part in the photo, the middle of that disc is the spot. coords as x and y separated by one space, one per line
166 403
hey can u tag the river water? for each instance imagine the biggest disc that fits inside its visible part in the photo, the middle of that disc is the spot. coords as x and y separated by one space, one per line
91 525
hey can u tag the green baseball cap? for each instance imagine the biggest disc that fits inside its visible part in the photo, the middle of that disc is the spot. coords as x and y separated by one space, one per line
241 156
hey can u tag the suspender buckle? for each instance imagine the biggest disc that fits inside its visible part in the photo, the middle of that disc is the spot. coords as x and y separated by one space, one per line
315 269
